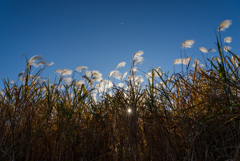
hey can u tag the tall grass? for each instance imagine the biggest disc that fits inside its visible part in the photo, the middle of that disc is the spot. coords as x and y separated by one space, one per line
192 115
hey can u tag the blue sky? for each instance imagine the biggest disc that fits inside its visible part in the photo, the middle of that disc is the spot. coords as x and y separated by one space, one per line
100 34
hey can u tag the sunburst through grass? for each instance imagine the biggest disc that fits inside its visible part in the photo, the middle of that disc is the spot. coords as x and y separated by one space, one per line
191 115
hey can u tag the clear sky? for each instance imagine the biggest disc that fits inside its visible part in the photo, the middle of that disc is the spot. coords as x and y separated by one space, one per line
100 34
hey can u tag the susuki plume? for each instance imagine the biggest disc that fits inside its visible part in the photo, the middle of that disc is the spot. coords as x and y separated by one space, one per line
80 68
122 64
195 62
63 71
121 85
79 83
137 54
124 75
224 25
50 64
227 39
211 50
68 79
235 61
203 49
134 69
35 58
218 59
187 44
137 58
115 74
226 48
184 61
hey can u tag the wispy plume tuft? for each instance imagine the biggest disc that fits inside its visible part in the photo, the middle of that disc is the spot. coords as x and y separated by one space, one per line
50 64
137 58
121 85
137 54
63 71
184 61
235 61
80 68
115 74
228 39
134 69
203 49
224 25
211 50
226 48
35 58
122 64
195 62
124 75
187 44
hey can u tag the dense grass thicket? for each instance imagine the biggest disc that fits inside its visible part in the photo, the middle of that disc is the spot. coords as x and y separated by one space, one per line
192 115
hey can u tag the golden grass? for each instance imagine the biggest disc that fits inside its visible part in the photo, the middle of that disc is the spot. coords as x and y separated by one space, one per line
194 116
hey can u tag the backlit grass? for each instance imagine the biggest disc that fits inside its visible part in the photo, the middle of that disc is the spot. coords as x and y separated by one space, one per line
191 115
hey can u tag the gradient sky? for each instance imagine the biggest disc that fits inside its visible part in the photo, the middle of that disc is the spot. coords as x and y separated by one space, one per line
100 34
